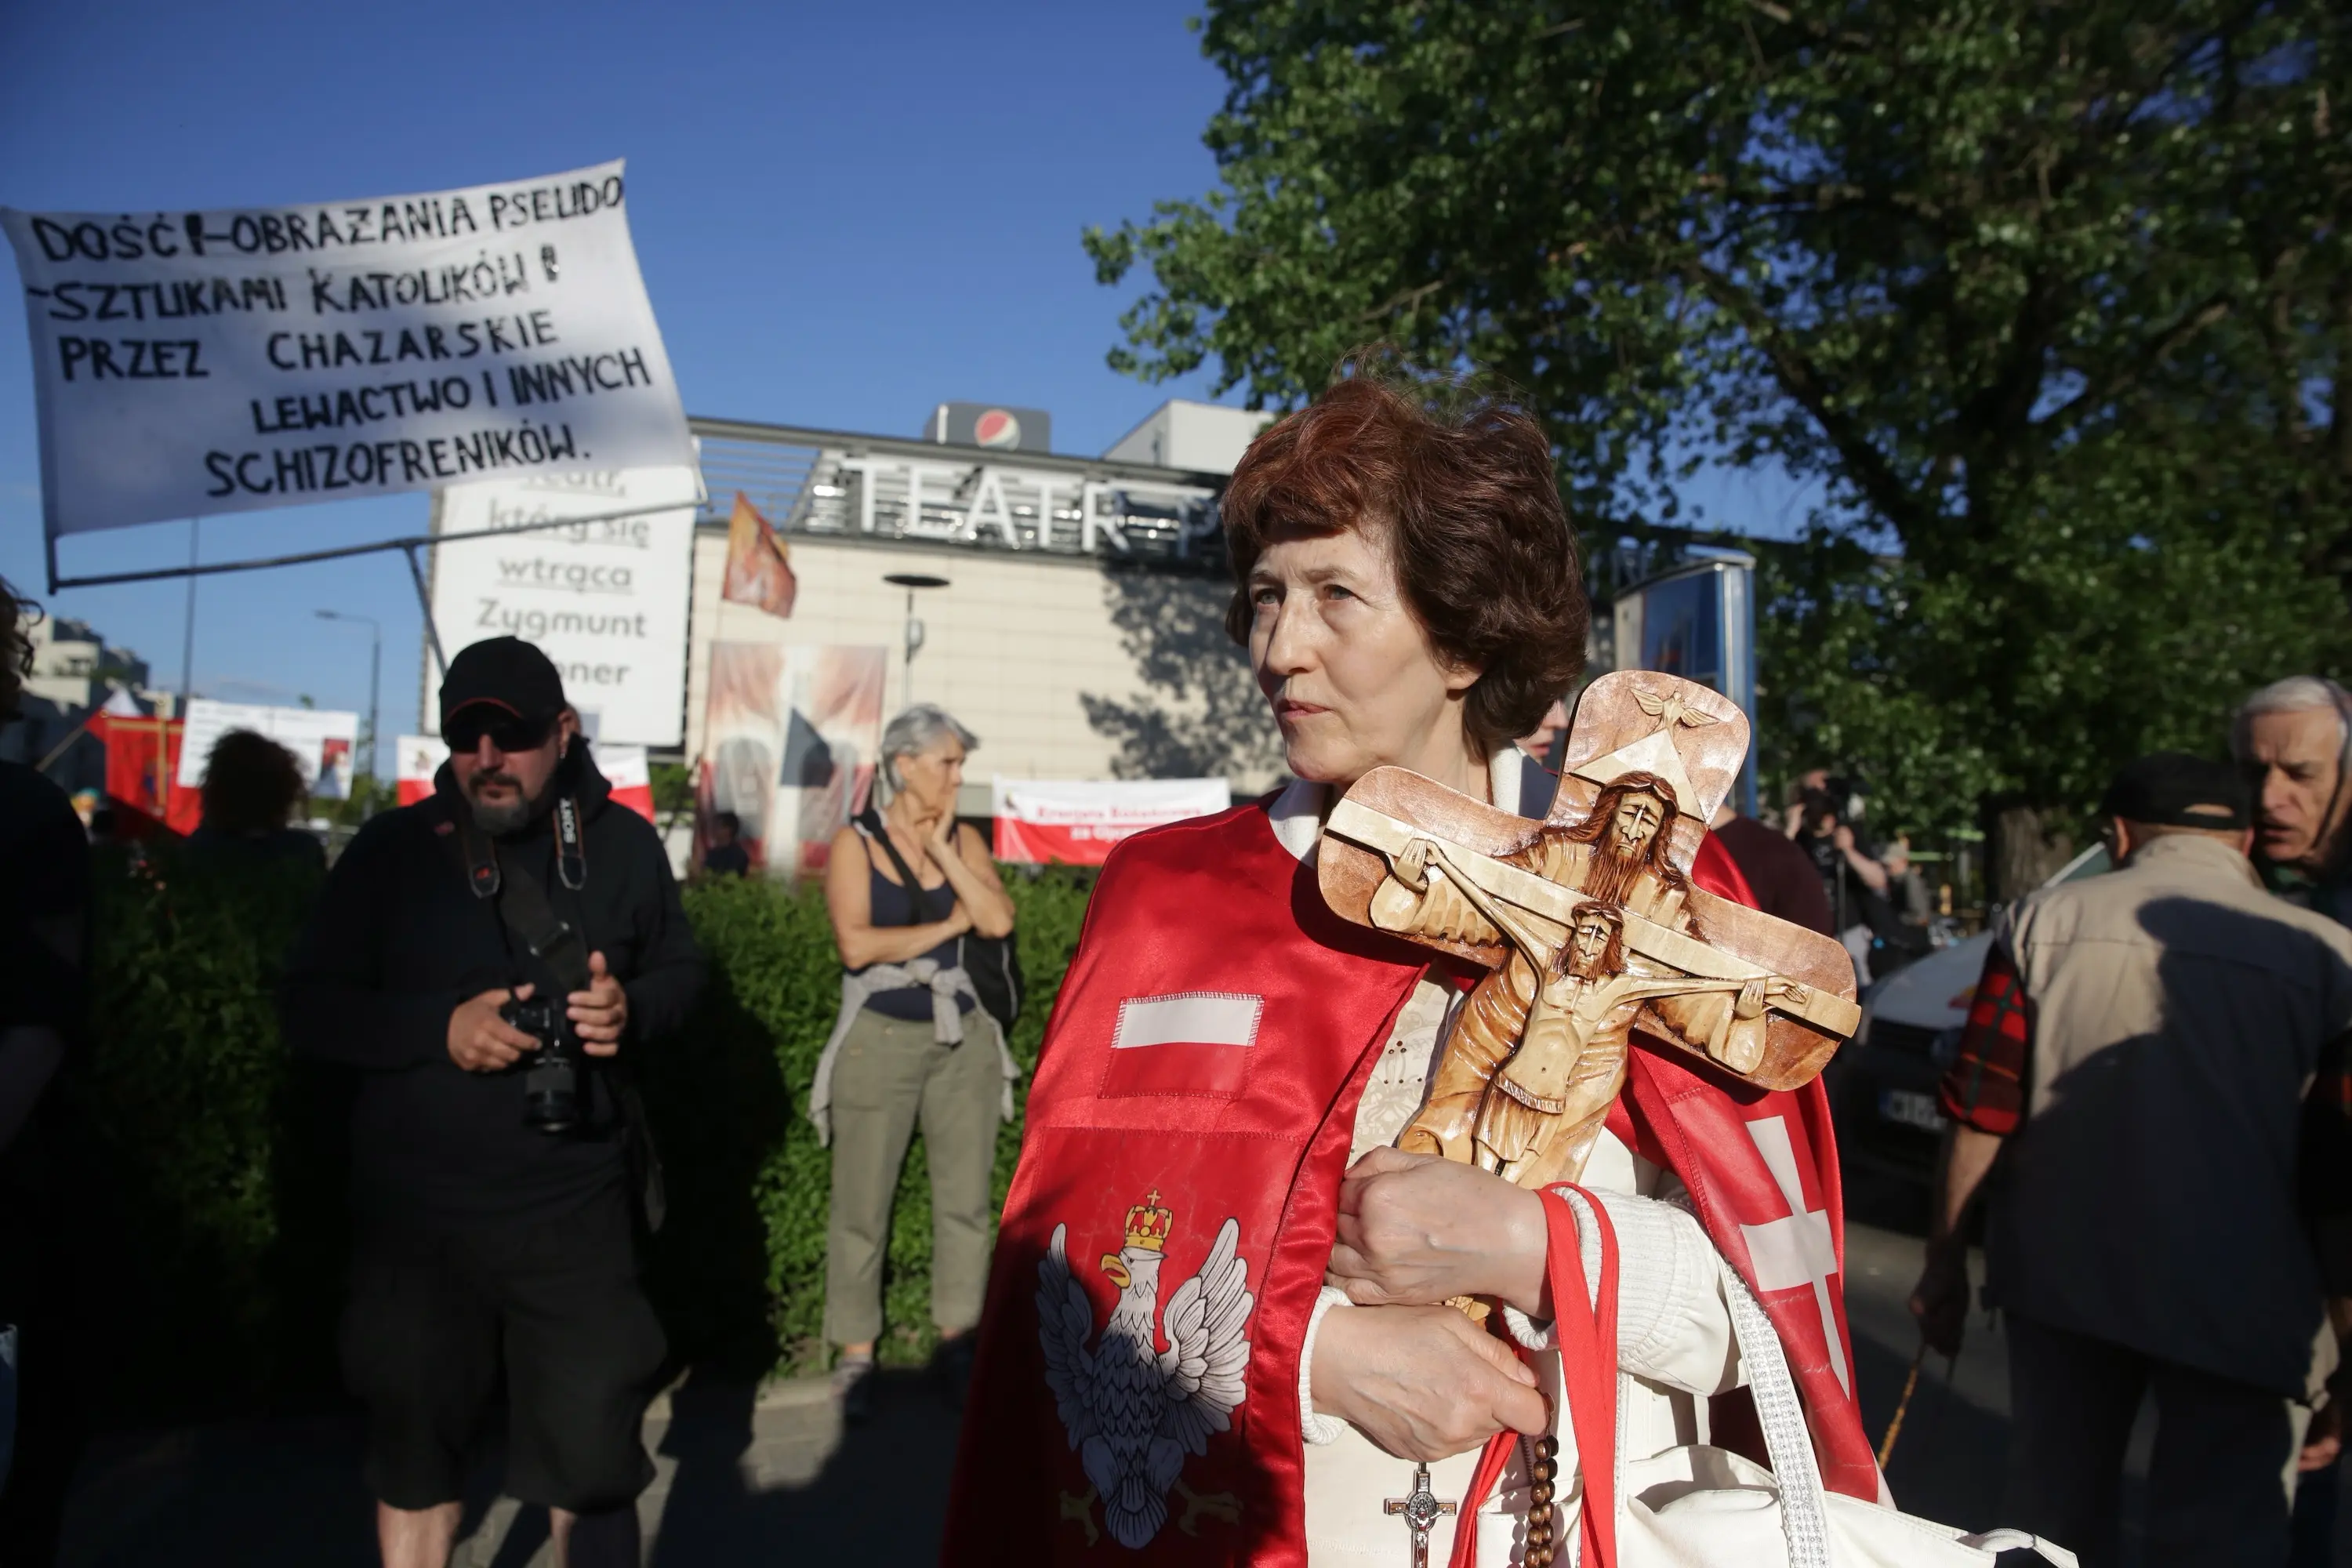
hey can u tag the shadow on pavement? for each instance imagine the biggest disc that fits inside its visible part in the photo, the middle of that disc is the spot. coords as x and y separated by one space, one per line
747 1489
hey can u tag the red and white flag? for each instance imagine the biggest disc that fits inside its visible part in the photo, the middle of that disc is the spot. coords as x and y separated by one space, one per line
416 759
625 769
1196 1042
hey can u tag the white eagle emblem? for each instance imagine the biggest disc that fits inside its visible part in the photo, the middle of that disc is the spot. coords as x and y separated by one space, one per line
1133 1411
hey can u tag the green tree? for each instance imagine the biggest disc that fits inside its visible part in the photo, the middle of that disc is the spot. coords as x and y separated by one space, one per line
2048 301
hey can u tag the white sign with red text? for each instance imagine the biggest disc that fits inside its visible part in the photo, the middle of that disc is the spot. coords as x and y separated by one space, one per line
1075 822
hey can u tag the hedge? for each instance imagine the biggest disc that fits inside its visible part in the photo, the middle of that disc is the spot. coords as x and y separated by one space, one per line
739 1267
202 1168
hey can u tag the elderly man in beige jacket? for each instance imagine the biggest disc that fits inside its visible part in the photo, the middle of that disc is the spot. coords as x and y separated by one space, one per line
2129 1092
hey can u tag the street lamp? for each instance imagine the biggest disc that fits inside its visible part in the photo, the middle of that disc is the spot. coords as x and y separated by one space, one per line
913 582
376 685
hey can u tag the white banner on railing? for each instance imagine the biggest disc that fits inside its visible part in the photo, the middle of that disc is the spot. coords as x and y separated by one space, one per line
193 362
1077 821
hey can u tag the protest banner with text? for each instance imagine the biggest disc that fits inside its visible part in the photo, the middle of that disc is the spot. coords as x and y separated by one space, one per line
193 362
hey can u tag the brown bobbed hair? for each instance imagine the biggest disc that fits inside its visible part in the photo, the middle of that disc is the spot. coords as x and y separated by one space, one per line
1459 484
251 785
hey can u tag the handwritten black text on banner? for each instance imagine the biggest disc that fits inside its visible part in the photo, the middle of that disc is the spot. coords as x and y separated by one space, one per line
187 364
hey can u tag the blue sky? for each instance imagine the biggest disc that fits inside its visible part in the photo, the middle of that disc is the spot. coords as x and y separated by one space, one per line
843 215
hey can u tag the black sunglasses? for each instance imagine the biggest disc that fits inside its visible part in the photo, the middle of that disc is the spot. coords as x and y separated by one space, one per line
466 732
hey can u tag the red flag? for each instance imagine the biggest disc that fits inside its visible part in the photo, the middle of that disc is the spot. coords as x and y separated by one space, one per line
758 572
143 766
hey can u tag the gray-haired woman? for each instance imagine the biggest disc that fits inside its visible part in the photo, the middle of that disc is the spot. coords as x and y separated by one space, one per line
912 1043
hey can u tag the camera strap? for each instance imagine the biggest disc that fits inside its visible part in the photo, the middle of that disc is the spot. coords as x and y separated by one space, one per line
552 939
521 903
570 850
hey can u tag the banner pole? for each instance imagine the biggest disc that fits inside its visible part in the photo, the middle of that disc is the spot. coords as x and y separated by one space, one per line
188 628
345 551
424 603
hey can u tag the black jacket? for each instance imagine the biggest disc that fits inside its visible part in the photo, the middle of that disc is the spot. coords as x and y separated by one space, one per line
399 940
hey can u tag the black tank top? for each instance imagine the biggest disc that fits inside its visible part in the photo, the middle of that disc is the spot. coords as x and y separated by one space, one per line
891 904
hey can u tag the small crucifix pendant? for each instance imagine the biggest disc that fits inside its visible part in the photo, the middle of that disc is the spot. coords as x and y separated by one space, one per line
1420 1510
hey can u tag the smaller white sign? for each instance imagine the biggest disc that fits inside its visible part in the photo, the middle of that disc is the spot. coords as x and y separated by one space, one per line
605 600
1077 821
322 740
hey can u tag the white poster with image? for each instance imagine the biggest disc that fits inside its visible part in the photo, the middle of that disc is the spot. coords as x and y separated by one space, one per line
189 363
323 741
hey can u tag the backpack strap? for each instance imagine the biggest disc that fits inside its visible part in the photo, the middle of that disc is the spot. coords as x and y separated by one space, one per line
919 897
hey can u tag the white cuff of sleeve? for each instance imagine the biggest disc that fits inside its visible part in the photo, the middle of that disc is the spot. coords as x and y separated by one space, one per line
1540 1336
1319 1429
1666 1280
1526 1332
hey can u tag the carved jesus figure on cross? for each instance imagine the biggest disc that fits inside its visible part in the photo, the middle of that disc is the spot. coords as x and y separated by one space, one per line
1589 928
1541 1112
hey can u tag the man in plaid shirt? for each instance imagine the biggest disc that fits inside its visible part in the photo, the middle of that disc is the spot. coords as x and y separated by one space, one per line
2130 1090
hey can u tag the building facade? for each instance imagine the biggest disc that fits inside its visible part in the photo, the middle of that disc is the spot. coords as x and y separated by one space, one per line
1069 611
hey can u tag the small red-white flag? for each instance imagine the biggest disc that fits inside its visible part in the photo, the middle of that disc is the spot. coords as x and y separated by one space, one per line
1194 1042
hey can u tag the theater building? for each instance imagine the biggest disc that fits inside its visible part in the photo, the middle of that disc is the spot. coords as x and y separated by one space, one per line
1069 610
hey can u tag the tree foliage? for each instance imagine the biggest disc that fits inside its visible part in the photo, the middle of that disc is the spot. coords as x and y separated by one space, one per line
2046 301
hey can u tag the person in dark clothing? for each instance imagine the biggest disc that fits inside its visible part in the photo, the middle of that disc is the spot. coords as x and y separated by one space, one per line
2294 741
252 786
44 992
1782 875
726 857
483 1239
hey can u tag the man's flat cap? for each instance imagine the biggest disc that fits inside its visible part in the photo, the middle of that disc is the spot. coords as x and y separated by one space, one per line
2173 789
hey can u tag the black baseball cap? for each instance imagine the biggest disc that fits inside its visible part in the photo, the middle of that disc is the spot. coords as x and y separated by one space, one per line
508 683
2173 789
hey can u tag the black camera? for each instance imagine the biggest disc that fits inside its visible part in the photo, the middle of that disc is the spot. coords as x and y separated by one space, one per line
550 1084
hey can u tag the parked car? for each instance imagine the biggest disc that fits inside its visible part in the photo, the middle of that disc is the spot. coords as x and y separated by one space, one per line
1882 1085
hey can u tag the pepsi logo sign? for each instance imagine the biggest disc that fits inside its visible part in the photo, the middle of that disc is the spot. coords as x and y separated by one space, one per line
996 429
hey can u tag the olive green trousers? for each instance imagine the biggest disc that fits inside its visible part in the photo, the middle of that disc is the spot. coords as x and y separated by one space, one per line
891 1076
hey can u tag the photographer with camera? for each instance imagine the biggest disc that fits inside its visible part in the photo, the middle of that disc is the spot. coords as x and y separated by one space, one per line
1852 879
490 959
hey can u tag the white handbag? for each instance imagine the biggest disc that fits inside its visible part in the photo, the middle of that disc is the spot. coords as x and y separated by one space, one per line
1704 1507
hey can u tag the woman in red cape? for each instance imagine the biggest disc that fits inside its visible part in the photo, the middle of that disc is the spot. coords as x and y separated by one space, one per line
1215 1331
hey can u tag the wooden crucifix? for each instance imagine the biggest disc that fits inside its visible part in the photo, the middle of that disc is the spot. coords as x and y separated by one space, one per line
1591 929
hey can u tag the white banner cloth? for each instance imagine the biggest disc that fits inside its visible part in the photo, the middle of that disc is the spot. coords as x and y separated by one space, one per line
1077 821
193 362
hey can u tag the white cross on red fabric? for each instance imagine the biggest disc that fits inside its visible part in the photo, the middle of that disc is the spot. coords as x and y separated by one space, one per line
1798 1251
